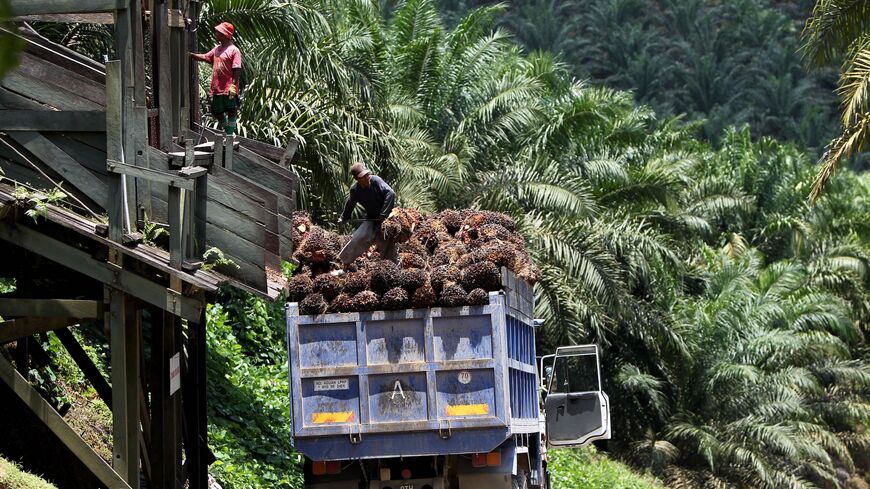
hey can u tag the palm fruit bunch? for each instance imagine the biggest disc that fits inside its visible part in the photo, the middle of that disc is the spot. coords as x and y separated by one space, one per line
301 225
400 224
451 258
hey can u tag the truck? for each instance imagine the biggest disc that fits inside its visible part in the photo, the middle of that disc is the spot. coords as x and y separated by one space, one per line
438 398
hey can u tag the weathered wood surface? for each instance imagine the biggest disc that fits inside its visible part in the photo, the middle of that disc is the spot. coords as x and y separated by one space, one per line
39 7
71 308
92 158
125 339
46 92
54 422
69 169
68 80
62 57
149 255
20 328
103 18
53 121
71 257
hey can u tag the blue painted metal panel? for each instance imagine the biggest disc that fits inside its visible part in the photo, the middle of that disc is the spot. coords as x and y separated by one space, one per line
414 382
465 390
398 341
463 337
330 398
398 397
404 444
323 345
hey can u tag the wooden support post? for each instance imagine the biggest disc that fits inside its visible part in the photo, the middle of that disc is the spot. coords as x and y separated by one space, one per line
82 262
195 409
176 241
193 77
218 147
114 148
228 153
165 406
200 216
125 386
162 79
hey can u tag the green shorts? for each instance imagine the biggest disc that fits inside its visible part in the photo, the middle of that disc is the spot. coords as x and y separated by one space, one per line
222 103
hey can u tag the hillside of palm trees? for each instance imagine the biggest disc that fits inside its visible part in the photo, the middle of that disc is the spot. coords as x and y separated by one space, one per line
671 222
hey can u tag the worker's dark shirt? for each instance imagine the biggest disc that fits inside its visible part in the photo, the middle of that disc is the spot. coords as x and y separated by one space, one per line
377 199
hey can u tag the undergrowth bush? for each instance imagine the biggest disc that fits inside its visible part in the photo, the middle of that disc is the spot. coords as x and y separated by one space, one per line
249 404
589 469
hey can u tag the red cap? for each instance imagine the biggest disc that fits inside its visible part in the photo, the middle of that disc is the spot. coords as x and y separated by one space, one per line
226 29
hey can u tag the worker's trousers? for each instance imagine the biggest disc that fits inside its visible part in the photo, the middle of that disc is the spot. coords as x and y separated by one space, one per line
367 233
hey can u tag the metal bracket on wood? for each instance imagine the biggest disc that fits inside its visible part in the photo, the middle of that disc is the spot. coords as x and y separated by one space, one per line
173 302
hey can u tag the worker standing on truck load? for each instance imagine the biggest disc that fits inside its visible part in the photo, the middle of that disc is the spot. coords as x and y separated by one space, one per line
377 198
226 60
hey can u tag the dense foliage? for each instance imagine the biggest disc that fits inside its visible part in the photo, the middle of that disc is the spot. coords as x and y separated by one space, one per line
722 63
730 313
838 32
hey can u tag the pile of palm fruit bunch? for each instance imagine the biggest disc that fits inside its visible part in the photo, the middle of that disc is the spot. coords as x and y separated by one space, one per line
450 259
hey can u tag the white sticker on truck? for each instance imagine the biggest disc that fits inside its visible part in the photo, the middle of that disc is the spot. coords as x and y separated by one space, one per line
331 385
464 377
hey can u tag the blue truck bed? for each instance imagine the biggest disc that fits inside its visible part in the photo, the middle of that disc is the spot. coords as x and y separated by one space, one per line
414 382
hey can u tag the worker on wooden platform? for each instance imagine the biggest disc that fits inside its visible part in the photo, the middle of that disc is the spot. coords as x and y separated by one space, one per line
377 198
226 60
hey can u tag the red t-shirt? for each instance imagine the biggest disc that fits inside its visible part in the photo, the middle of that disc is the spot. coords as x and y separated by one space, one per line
223 60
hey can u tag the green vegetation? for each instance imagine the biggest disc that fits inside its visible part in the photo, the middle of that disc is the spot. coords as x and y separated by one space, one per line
731 314
249 406
12 477
838 32
721 63
587 468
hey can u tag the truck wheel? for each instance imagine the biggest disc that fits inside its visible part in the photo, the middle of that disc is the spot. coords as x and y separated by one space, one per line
520 481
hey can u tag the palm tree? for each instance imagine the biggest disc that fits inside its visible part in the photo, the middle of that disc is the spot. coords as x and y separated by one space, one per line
838 32
762 400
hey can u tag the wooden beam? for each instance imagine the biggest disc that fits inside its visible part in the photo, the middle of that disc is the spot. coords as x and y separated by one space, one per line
24 327
42 7
182 178
46 92
54 422
125 338
82 262
51 120
103 18
65 166
67 308
91 372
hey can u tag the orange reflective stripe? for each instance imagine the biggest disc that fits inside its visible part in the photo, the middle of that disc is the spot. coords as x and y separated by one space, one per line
340 417
467 409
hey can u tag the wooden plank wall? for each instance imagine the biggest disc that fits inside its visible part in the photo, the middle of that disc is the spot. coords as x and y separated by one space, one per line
249 205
